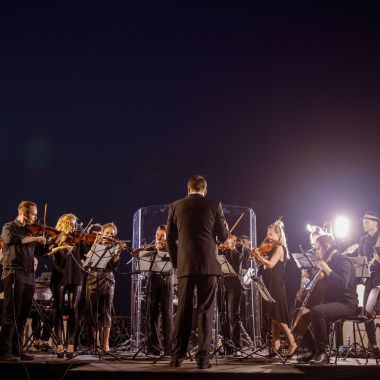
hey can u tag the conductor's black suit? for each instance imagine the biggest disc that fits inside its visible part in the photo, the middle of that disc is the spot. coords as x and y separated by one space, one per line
195 222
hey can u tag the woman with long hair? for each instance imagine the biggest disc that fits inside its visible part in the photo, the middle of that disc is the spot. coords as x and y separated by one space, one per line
274 280
67 277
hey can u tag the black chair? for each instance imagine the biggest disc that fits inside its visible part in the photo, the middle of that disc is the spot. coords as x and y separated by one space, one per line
357 347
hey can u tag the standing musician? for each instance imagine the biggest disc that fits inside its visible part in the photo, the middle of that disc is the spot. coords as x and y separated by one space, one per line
160 295
18 279
100 289
340 299
195 222
273 277
369 246
232 294
67 276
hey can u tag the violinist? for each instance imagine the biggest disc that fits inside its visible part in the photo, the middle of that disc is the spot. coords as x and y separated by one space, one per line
67 277
272 254
160 293
100 288
340 298
18 279
232 294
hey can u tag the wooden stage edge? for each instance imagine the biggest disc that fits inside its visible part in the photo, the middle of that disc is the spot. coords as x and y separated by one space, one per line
92 367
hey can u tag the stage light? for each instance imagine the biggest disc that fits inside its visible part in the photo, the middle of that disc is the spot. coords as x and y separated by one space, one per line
341 227
309 227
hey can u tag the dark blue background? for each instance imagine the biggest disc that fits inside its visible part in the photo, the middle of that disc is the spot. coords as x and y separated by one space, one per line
106 107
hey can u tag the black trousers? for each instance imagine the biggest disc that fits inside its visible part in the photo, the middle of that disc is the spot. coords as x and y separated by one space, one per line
160 296
18 299
232 296
370 283
74 293
323 314
206 289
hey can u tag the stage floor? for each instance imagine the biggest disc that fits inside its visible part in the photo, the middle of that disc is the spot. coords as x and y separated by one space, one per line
45 366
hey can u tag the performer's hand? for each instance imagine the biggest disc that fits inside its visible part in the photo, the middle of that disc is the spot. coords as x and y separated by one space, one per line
323 266
40 239
67 247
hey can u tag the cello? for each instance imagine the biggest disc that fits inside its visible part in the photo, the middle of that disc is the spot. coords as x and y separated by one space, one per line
316 290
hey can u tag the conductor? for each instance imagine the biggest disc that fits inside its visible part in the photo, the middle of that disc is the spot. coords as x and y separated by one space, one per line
195 222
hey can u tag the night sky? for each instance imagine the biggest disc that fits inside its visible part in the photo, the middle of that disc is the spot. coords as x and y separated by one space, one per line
106 107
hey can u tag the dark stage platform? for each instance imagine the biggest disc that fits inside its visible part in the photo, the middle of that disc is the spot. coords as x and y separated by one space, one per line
142 368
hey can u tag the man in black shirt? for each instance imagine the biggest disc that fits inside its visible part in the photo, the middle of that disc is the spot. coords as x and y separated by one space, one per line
340 301
369 246
18 280
232 295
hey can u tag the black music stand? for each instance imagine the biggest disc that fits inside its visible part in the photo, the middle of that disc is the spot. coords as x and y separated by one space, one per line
152 262
360 266
266 296
97 259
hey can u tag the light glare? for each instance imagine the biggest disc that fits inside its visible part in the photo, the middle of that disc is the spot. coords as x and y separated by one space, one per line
341 227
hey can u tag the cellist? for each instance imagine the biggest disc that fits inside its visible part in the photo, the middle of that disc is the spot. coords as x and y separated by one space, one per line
340 300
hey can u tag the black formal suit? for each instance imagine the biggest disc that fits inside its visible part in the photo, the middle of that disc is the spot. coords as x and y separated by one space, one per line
193 224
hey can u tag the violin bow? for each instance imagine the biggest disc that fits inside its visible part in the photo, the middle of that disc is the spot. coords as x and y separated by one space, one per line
44 225
237 222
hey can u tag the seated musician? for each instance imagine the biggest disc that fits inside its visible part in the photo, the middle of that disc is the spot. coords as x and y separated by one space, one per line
340 300
100 288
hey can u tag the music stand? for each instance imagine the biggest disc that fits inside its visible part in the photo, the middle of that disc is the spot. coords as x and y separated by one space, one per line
361 266
97 259
305 261
152 262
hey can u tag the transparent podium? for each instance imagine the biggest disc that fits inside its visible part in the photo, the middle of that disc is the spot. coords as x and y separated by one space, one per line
145 223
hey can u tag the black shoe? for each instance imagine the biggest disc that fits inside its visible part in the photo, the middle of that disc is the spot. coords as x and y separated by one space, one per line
320 358
69 355
153 353
46 347
9 358
176 363
305 356
26 357
204 365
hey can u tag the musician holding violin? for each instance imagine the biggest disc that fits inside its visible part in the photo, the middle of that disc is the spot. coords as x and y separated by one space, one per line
232 290
18 278
100 288
67 277
272 254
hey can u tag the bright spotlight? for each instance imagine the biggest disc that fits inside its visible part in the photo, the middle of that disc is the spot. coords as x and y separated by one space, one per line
309 227
341 227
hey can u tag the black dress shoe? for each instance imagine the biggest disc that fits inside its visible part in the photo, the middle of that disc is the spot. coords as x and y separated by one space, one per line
9 358
320 358
176 362
204 365
26 357
305 356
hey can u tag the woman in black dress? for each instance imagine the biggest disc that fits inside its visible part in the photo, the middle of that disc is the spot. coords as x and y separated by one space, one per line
67 277
273 277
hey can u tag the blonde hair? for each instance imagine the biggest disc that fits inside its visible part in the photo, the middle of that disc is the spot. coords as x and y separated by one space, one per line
110 225
25 205
63 222
278 227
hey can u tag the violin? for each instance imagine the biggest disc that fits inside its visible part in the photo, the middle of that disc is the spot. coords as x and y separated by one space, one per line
263 249
40 229
231 241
